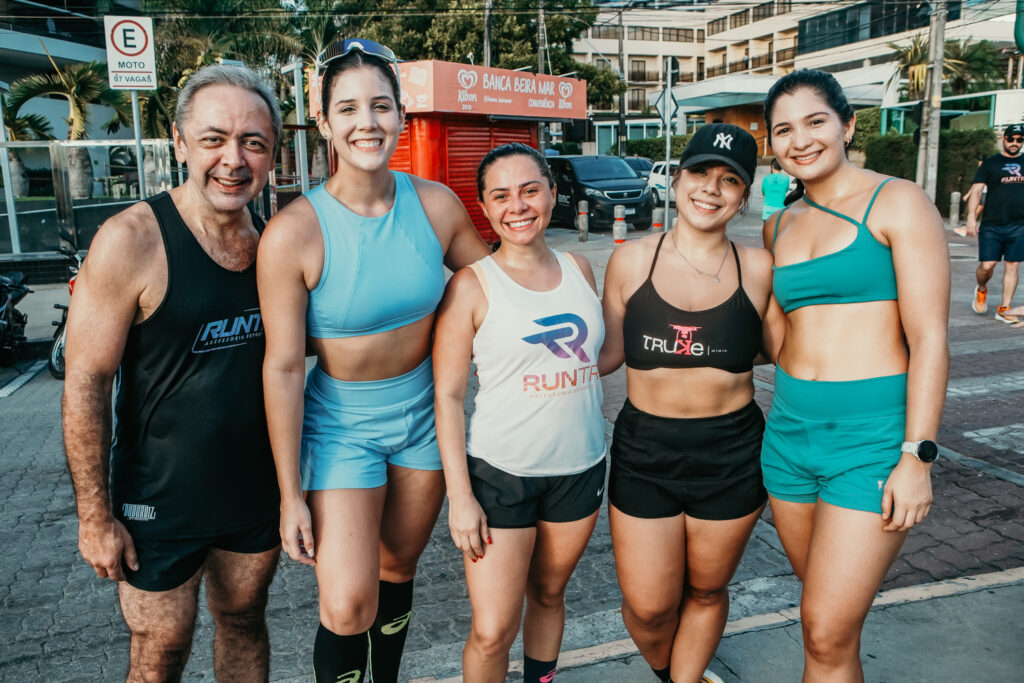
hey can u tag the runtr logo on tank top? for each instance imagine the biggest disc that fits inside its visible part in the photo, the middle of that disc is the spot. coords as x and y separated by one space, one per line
684 344
229 332
561 382
138 513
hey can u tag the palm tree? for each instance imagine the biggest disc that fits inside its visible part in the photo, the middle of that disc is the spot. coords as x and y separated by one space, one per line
912 64
80 84
21 128
983 68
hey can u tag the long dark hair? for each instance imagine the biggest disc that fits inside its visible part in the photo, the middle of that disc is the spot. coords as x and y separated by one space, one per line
827 88
509 150
354 60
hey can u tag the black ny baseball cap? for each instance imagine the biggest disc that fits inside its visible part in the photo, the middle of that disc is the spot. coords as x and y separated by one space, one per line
1014 129
725 143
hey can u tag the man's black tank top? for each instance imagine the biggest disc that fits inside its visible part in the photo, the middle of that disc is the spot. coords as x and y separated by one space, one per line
656 334
191 456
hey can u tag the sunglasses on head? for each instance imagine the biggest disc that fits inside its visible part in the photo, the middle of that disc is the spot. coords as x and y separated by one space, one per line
370 48
1014 138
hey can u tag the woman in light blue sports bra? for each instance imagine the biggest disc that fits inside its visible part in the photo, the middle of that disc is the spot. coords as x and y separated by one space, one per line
862 279
353 271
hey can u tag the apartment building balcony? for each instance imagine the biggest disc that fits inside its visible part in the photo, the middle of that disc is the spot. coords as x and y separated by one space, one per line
739 65
786 55
685 77
717 70
644 77
761 61
637 103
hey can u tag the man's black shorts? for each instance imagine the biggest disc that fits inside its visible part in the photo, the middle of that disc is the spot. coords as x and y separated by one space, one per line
166 563
998 242
512 502
708 467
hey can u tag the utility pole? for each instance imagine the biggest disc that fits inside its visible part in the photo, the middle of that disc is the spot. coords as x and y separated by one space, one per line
541 47
487 32
622 98
933 95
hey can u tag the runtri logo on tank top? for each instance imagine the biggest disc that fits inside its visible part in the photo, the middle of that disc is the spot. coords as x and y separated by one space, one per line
563 381
229 332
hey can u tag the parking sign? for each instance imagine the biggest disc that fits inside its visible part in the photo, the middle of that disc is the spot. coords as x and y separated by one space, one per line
131 59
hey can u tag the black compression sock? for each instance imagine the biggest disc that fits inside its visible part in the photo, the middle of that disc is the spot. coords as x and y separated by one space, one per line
535 671
387 636
339 659
664 675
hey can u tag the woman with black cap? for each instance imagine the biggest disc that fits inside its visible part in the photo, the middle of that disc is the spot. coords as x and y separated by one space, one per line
684 310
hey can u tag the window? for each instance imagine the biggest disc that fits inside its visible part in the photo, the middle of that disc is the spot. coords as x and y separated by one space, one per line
739 19
700 35
783 6
764 11
678 35
637 99
609 32
718 25
643 33
863 22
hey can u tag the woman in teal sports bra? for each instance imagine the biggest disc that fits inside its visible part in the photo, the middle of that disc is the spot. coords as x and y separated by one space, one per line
862 275
353 271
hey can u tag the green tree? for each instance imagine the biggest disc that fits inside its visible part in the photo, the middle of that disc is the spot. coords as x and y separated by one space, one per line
80 84
22 128
983 68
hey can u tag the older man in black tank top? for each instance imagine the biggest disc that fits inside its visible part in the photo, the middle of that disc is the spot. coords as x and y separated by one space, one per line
167 296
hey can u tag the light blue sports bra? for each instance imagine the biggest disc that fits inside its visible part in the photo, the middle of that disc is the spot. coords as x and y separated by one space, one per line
380 272
862 271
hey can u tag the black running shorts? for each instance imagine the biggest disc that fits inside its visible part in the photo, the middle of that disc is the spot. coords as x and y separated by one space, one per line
166 563
706 467
512 502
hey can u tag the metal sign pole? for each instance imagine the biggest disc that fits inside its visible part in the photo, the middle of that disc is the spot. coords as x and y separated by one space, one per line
300 135
5 167
669 102
139 159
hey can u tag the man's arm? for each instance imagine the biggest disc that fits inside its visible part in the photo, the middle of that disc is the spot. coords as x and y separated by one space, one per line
973 200
104 305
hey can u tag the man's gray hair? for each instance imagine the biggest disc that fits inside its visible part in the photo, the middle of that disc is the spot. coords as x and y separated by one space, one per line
221 74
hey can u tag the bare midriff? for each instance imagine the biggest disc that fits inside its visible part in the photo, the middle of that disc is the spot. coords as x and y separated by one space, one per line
843 342
693 392
375 356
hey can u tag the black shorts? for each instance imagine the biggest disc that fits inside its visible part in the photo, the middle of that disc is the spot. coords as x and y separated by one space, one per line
998 242
706 467
512 502
166 563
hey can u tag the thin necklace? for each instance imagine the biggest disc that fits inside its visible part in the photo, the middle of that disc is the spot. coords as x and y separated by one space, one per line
713 276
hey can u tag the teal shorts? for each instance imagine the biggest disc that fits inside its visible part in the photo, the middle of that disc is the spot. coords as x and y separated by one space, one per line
352 431
837 441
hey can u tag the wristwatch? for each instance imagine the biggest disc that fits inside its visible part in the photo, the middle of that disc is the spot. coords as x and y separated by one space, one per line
925 451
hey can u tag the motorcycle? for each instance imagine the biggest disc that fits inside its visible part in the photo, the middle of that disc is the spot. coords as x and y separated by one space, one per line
56 360
13 288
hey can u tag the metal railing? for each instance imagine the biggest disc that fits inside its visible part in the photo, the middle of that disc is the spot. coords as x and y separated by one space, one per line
717 70
761 60
644 76
786 55
739 65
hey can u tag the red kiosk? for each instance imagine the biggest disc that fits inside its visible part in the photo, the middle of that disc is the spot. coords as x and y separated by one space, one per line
456 113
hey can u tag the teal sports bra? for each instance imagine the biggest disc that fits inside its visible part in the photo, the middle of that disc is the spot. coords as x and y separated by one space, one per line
380 272
862 271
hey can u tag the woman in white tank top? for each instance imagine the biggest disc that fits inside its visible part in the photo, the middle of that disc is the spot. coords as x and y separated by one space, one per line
523 503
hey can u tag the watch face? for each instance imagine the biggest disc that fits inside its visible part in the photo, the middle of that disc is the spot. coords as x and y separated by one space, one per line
927 451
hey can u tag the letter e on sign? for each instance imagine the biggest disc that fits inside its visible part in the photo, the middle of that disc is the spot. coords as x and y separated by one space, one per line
131 59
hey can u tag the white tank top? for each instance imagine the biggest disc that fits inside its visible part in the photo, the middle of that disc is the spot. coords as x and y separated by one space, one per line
538 411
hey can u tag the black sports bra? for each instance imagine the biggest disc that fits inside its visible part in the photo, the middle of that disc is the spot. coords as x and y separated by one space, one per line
659 335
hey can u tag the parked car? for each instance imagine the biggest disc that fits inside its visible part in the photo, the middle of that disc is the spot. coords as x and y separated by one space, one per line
642 165
657 182
603 181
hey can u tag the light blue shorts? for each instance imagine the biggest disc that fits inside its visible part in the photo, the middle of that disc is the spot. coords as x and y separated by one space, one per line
837 441
352 430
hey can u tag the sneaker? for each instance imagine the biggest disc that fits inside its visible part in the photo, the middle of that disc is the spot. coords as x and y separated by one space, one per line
710 677
1003 316
978 304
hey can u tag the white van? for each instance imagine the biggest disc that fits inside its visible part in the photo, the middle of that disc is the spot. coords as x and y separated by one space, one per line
658 184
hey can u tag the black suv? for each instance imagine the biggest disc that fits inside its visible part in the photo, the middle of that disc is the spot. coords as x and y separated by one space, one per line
603 181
